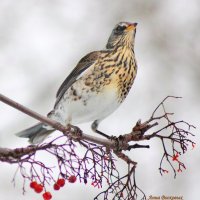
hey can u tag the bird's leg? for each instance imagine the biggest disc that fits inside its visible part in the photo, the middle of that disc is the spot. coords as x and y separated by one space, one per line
74 132
94 127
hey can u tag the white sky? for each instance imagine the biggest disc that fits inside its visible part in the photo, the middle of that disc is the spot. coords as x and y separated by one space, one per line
40 43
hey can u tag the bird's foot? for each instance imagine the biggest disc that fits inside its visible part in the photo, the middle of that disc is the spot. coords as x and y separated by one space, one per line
75 131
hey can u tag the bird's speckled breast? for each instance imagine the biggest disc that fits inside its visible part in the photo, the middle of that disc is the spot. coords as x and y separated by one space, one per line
100 90
116 69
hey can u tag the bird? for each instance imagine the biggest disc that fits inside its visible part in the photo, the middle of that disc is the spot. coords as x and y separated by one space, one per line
96 87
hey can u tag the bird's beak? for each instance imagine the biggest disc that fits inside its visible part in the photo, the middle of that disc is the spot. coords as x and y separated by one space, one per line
131 26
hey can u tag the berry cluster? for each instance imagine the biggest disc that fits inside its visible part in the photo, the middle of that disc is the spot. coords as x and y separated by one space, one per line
60 183
72 179
47 196
38 188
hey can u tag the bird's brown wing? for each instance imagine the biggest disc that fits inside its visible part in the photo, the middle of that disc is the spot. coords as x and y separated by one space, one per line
83 64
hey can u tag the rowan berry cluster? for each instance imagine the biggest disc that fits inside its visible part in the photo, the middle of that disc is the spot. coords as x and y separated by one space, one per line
38 188
59 183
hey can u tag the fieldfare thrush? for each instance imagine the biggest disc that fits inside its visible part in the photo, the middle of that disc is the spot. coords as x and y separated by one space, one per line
96 86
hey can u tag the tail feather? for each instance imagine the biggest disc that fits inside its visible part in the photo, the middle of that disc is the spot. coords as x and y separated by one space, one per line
36 133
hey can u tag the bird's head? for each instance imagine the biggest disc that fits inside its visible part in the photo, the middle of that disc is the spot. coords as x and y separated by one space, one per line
123 34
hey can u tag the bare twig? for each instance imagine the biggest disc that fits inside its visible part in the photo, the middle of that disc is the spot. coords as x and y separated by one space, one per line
97 161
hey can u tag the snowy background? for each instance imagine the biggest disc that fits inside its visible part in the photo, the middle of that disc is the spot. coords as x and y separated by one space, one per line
41 42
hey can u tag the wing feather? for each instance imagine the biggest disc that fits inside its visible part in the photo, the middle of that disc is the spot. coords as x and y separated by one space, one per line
83 64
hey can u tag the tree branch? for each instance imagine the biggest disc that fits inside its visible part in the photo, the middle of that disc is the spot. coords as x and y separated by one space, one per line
66 130
78 134
98 162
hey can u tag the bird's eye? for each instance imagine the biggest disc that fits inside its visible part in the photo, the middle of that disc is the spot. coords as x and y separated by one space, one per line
120 28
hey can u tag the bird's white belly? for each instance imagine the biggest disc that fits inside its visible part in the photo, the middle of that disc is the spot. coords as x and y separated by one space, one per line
91 106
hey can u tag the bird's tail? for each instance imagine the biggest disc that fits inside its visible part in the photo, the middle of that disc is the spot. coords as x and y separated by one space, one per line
37 133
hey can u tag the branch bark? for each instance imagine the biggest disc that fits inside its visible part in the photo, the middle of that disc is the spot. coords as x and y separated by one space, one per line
99 151
117 144
66 130
114 143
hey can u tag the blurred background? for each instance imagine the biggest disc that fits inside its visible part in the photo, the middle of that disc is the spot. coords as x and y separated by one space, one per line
42 41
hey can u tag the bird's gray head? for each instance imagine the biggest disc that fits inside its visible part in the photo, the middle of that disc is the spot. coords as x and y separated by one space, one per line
122 34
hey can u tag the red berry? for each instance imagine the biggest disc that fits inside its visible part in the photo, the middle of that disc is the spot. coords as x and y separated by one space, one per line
72 179
56 186
175 157
47 196
61 182
33 184
179 170
38 188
